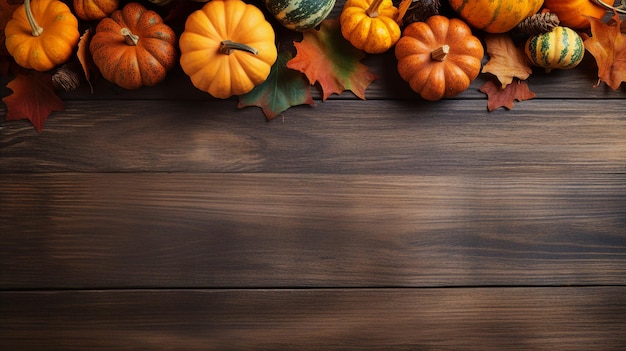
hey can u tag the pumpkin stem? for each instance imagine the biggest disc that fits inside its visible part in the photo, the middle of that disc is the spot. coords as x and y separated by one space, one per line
131 39
440 53
34 26
228 46
372 10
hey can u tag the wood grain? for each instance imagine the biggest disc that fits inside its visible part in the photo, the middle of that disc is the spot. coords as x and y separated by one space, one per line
481 319
276 230
449 137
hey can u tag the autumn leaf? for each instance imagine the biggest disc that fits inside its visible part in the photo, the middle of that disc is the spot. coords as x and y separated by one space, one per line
282 89
506 60
403 7
33 98
84 56
324 56
607 44
505 97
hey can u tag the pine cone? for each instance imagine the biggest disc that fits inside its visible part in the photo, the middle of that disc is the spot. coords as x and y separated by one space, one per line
66 78
420 10
538 23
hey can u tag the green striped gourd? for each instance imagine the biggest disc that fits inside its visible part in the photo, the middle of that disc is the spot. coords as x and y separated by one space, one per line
560 48
300 15
495 16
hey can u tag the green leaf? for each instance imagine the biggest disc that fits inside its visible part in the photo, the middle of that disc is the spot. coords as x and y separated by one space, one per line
282 89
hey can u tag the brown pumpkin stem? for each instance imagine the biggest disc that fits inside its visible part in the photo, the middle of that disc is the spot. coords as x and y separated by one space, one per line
372 10
131 39
440 53
228 46
34 26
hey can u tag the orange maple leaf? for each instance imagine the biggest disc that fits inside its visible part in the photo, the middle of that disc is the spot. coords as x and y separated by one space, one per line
607 44
506 60
324 56
84 56
505 97
33 98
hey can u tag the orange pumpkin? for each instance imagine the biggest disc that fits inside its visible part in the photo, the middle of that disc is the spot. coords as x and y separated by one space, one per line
573 13
227 48
370 25
41 34
91 10
133 47
495 16
439 57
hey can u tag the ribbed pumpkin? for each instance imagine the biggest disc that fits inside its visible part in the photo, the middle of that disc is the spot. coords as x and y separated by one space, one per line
133 48
573 13
561 48
41 34
227 48
495 16
300 15
439 57
370 25
92 10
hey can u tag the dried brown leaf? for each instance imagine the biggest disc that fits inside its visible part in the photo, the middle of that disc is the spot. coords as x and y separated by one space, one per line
505 97
506 60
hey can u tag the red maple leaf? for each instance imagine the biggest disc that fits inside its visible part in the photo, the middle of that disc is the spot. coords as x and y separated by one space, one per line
607 44
499 97
33 98
324 56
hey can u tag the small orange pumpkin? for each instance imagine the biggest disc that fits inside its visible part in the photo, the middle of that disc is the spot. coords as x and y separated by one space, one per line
573 13
133 47
370 25
41 34
495 16
227 48
439 57
92 10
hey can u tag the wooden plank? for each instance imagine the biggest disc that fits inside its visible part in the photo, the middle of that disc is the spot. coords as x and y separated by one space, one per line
310 230
574 318
449 137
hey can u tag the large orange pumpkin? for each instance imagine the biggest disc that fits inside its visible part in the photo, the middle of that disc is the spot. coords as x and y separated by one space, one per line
133 47
439 57
573 13
495 16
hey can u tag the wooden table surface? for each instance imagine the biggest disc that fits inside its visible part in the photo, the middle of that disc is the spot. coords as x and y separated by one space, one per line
164 219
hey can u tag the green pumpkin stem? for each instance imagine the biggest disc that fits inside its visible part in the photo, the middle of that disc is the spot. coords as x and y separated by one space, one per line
440 53
34 26
228 46
131 39
372 10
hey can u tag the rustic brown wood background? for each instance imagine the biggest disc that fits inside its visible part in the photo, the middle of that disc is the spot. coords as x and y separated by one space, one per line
164 219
